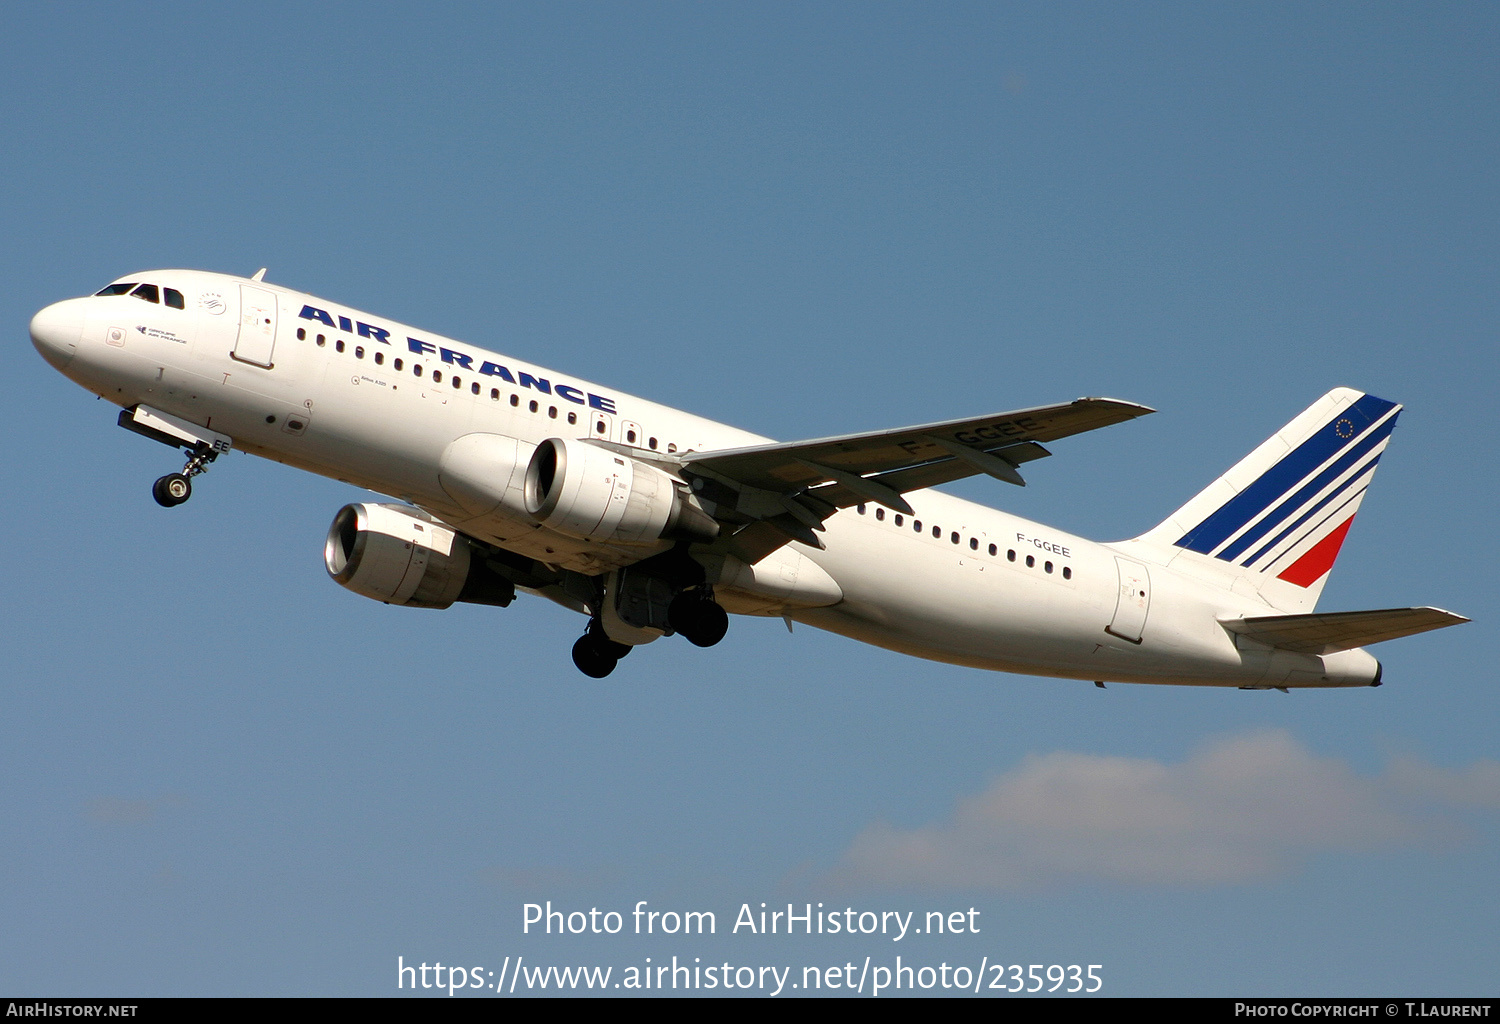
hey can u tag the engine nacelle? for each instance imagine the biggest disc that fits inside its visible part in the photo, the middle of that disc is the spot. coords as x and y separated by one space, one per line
591 493
400 555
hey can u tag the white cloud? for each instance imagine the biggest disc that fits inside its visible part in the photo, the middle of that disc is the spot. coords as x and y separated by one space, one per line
1242 808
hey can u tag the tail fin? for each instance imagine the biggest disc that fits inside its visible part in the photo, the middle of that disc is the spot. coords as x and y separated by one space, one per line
1275 522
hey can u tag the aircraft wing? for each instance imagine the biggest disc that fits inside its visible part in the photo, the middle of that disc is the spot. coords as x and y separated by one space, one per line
793 487
1329 632
800 464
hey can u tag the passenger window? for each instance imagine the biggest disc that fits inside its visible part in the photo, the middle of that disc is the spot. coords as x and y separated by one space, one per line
174 299
900 519
148 292
474 387
973 543
515 399
630 436
494 394
993 550
860 509
322 341
437 376
880 514
552 412
117 289
671 448
1010 556
416 369
572 417
1067 573
359 351
301 334
398 362
1030 561
457 383
532 405
1047 566
916 524
953 538
652 444
937 531
338 346
599 426
379 358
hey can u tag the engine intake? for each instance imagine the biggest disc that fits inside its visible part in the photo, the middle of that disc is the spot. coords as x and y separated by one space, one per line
592 493
399 555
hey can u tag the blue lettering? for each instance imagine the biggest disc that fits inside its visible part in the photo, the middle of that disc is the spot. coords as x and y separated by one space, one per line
496 370
366 331
601 403
542 384
420 347
314 313
457 358
571 393
345 325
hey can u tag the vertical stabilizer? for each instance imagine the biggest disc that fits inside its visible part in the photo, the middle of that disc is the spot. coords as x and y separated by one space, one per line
1276 521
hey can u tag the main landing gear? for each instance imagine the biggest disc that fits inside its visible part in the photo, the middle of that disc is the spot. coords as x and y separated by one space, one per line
595 654
698 617
175 488
692 613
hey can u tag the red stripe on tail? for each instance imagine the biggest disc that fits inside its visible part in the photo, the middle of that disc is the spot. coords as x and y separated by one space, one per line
1312 566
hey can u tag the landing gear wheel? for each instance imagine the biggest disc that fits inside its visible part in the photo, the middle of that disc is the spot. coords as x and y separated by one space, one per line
171 490
603 644
590 660
701 620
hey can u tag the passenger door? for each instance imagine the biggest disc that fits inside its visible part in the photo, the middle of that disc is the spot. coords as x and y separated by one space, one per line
257 335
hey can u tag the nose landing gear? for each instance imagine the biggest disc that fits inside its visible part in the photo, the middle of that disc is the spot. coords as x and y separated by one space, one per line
200 444
175 488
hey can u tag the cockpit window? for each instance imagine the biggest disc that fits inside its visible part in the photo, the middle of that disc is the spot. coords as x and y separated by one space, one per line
148 292
116 289
174 298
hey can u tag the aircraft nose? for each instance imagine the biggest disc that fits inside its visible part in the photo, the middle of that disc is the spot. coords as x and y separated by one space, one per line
55 331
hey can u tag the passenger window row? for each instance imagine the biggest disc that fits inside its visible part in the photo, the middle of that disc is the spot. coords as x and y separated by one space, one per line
456 381
954 538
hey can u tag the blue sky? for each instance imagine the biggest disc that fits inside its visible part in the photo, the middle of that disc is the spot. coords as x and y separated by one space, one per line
225 775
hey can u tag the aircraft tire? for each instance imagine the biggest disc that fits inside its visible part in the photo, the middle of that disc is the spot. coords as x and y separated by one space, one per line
706 625
172 490
605 647
590 660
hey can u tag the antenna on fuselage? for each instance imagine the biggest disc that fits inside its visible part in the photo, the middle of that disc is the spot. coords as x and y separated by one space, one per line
258 274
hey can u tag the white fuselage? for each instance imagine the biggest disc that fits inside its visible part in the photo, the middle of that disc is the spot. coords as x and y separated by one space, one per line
376 403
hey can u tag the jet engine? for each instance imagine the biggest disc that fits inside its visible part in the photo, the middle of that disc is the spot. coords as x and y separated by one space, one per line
400 555
592 493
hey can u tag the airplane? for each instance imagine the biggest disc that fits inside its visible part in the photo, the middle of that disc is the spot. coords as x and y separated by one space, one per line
654 522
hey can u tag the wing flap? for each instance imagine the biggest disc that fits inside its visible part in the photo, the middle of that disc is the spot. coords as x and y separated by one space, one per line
1330 632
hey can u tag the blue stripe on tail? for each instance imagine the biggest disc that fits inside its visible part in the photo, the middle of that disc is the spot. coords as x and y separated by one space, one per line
1294 467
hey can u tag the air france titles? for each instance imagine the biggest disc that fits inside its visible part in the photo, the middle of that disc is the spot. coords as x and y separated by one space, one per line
462 360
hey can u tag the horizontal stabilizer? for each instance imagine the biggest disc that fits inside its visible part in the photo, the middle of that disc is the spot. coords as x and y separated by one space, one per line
1328 632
